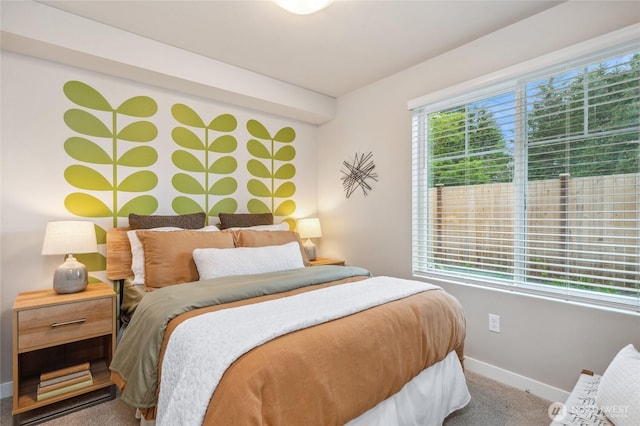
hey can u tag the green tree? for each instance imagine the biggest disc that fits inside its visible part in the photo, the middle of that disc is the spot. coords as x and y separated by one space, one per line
577 122
467 148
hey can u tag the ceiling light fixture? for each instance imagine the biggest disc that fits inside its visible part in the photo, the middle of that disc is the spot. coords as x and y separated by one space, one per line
303 7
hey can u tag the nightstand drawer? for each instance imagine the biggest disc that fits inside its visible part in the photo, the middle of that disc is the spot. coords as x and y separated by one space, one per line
49 325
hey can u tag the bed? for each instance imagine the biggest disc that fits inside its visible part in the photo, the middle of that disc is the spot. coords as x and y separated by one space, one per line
287 344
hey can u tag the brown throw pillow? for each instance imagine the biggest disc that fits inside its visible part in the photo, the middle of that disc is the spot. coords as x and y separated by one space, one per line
184 221
168 256
243 220
249 238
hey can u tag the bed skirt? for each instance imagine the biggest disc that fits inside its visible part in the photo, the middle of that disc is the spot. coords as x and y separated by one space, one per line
426 400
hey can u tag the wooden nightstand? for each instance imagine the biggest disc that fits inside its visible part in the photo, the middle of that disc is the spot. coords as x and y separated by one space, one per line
326 261
53 331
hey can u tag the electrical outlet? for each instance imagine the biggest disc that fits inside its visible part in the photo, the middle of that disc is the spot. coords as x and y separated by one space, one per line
494 323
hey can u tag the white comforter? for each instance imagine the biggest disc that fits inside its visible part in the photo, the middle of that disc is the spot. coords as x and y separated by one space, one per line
201 348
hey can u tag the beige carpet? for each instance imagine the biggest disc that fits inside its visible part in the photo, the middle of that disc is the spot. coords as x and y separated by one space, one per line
495 404
492 404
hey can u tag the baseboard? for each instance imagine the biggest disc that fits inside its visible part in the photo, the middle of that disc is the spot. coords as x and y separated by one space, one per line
515 380
6 390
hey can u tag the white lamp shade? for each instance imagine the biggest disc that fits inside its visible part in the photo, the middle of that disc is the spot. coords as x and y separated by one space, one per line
309 228
303 7
69 236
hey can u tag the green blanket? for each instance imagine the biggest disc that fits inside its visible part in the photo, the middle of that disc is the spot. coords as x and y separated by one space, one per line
137 354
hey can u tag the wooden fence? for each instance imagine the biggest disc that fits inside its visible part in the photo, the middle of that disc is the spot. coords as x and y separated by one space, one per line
579 229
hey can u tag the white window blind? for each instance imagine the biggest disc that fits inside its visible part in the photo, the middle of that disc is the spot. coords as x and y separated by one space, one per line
534 184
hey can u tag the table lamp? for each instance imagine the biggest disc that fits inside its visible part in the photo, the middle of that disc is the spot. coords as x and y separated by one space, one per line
69 237
309 228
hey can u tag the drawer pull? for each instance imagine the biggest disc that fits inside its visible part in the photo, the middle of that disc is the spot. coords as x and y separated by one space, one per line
60 324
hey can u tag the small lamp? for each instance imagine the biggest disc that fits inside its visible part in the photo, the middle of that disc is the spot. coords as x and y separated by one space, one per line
68 237
309 228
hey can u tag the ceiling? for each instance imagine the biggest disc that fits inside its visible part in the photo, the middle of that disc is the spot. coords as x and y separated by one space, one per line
342 48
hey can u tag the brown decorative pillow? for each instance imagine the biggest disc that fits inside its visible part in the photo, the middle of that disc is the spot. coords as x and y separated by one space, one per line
268 238
184 221
168 256
243 220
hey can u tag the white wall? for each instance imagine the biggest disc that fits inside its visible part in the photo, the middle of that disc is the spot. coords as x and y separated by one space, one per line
32 164
547 341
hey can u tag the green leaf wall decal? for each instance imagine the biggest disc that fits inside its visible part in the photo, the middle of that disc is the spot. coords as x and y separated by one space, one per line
101 235
84 177
271 163
258 206
257 149
139 106
86 123
286 208
224 166
198 159
144 204
286 153
140 156
119 138
86 205
140 131
224 144
142 181
187 161
185 205
285 190
92 262
258 188
258 130
187 184
86 96
185 115
258 169
110 148
224 186
186 138
82 149
286 171
285 135
224 205
224 123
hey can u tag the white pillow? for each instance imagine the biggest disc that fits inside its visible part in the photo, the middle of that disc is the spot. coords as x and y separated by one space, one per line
137 251
209 228
214 262
619 390
283 226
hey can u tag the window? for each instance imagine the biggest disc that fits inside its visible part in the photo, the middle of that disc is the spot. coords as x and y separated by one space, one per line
533 184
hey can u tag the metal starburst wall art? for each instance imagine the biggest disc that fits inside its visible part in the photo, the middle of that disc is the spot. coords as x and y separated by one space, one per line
357 174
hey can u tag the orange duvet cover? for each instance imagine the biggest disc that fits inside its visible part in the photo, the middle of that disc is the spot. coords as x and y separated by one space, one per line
333 372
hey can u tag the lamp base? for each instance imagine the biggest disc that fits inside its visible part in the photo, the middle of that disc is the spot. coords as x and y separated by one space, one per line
70 277
309 249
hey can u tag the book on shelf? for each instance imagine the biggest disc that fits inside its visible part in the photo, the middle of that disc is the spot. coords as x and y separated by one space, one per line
46 387
50 394
64 380
85 366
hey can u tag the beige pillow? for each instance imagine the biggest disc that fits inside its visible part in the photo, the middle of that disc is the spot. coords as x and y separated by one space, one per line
168 256
250 238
